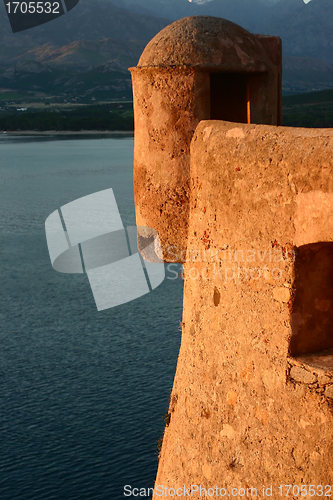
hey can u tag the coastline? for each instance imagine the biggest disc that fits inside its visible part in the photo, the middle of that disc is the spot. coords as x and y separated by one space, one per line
68 132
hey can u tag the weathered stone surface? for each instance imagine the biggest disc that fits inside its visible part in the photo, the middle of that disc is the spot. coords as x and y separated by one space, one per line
277 432
301 375
231 398
195 69
167 108
207 43
321 362
314 217
228 431
250 216
315 365
281 294
324 380
329 391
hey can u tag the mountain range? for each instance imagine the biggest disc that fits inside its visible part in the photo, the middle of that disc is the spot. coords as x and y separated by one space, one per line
91 20
306 29
100 39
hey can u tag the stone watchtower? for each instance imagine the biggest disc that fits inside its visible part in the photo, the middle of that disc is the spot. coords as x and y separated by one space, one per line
251 202
198 68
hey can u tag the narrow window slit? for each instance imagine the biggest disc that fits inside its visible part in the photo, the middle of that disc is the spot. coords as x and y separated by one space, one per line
312 308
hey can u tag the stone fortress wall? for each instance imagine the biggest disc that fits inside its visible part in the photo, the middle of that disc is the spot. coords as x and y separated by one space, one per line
250 202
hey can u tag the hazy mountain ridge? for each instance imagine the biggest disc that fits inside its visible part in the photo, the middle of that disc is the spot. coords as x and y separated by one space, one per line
99 34
92 20
83 55
300 74
305 29
33 81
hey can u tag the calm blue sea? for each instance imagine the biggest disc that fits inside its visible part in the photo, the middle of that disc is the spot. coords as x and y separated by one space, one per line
82 392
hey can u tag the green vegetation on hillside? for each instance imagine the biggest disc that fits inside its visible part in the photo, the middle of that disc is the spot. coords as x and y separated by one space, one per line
6 96
309 98
102 117
313 109
32 80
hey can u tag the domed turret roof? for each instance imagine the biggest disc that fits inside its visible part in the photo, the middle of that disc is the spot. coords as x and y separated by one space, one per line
206 42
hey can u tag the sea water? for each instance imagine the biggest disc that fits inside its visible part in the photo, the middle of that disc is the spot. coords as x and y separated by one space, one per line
82 392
